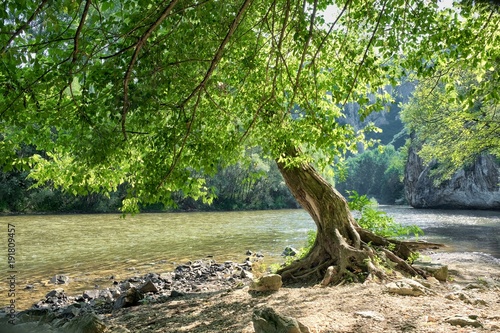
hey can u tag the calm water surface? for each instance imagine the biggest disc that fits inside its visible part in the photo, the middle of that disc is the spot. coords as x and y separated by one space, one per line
91 248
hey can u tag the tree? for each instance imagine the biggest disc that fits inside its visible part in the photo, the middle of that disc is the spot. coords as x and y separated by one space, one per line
450 130
141 92
454 112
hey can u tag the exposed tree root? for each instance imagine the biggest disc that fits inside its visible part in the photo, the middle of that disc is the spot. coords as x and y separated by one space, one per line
351 264
403 249
354 264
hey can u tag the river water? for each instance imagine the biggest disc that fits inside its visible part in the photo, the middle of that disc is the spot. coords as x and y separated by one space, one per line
92 248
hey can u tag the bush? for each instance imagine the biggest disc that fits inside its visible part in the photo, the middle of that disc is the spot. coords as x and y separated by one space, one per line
377 221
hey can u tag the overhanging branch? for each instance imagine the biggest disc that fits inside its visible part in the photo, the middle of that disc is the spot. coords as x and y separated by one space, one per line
138 47
218 55
24 26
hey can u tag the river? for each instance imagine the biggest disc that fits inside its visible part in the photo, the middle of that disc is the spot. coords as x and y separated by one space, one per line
91 249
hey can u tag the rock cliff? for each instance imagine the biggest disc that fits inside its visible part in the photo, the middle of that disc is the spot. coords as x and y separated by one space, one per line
476 187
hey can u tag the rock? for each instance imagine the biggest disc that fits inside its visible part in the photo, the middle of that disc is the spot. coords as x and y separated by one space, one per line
266 320
330 273
60 279
166 277
463 321
175 293
91 294
58 292
131 298
473 188
465 298
246 275
148 287
289 252
271 282
438 271
406 287
86 323
370 314
118 329
126 285
475 286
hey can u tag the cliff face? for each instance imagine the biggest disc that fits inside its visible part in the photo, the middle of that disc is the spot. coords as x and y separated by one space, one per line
476 187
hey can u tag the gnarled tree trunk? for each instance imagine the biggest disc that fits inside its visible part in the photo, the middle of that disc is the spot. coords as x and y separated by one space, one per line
340 242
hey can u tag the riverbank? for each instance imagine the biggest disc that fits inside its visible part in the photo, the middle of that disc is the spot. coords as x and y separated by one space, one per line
472 292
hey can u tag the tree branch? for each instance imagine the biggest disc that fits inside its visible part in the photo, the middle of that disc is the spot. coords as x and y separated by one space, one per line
138 47
24 26
79 30
218 55
367 49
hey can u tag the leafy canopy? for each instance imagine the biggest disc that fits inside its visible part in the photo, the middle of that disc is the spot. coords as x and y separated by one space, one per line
144 92
451 130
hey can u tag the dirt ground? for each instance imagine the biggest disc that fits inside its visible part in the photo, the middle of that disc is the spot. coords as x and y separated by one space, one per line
474 282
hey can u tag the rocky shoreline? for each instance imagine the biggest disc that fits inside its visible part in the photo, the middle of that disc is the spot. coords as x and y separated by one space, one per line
57 310
198 291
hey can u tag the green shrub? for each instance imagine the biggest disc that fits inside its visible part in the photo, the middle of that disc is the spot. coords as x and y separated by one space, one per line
378 221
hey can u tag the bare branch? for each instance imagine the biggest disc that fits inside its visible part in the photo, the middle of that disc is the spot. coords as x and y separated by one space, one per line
79 30
320 47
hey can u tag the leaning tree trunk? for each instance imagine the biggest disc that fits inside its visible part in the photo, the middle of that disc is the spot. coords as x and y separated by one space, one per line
340 242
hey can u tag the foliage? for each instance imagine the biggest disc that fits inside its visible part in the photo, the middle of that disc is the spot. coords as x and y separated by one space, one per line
149 94
377 221
254 184
375 173
301 253
454 131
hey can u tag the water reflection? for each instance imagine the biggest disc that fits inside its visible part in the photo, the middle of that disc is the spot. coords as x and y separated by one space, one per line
460 230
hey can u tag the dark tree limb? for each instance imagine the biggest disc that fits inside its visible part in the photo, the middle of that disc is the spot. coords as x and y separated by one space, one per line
138 47
24 26
218 54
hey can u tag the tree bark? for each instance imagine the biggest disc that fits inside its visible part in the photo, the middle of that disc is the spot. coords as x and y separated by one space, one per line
340 242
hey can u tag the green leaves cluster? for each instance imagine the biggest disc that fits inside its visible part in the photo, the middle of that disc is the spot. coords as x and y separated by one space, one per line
377 221
451 128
